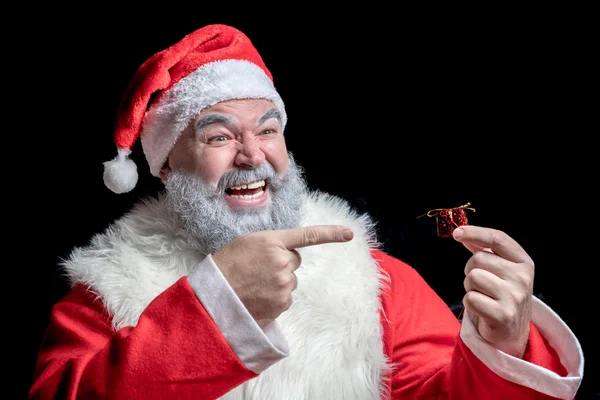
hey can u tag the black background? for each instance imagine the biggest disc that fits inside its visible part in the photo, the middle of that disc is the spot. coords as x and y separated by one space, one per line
398 112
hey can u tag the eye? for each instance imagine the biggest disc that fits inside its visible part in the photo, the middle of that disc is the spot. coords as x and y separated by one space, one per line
268 131
219 138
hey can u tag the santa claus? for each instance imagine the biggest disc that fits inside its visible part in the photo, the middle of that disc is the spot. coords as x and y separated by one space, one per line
238 282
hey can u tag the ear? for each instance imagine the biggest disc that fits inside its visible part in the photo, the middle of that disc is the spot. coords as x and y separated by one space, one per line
164 172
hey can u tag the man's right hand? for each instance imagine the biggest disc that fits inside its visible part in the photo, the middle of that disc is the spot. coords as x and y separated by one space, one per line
260 266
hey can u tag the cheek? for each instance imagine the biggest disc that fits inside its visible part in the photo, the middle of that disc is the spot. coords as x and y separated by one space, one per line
276 153
206 163
213 164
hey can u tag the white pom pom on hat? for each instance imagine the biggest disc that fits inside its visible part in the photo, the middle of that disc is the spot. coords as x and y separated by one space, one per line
212 64
120 173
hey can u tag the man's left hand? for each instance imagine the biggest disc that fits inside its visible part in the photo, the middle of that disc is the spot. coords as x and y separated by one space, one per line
499 285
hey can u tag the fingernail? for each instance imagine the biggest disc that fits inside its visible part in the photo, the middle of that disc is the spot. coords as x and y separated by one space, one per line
458 232
347 234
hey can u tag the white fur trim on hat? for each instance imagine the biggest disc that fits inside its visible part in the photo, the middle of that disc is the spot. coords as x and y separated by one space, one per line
212 83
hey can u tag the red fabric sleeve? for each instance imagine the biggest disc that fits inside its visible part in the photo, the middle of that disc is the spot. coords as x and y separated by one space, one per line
175 351
421 338
540 352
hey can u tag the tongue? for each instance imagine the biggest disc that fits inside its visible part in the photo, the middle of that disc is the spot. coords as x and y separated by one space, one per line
245 192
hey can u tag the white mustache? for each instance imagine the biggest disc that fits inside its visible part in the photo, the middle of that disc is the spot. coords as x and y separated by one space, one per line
236 177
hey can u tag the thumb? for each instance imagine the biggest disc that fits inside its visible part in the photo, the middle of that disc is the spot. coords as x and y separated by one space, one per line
472 247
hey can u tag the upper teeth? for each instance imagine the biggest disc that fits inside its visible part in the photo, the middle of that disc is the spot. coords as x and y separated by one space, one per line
252 185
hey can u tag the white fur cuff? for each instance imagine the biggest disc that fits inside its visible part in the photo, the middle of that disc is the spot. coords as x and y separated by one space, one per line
513 369
256 349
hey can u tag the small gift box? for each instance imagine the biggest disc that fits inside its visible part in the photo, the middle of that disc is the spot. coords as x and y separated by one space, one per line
448 219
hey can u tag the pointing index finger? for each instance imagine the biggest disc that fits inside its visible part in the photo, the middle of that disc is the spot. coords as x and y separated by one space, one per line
497 241
313 235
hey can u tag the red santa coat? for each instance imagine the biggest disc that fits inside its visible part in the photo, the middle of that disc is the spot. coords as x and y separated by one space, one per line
150 317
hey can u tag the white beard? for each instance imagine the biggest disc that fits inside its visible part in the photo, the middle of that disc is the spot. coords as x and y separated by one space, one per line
205 215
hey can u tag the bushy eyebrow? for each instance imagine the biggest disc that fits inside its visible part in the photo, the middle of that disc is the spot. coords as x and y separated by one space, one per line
225 119
213 119
272 113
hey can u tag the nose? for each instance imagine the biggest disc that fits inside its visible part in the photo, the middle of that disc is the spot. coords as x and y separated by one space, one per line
250 154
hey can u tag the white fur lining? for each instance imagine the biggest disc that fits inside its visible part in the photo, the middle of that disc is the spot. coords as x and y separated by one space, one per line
333 327
256 349
212 83
559 336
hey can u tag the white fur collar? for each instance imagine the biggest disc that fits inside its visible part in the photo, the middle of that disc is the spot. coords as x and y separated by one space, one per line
333 327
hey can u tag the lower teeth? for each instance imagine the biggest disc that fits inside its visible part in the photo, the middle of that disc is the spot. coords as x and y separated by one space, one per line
246 196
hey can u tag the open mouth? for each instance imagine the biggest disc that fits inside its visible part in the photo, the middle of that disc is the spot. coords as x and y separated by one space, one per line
248 191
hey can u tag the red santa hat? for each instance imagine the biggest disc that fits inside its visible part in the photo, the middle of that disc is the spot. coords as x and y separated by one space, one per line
213 64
